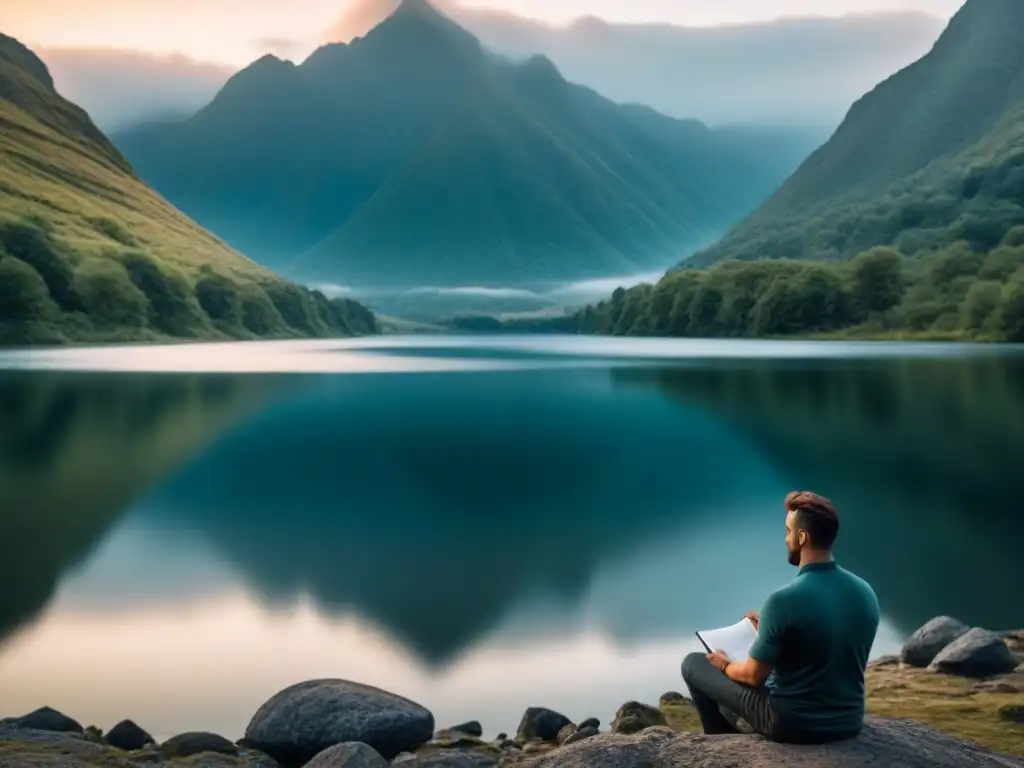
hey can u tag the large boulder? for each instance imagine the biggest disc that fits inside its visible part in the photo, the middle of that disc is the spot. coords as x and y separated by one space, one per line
196 743
925 644
47 719
540 724
352 754
634 717
128 736
978 653
303 720
890 743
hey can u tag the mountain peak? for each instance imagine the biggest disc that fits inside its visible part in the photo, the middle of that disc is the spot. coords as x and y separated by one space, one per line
416 6
420 25
17 54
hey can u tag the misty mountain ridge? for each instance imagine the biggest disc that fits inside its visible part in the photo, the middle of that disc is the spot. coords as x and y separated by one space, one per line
801 72
933 155
413 155
792 71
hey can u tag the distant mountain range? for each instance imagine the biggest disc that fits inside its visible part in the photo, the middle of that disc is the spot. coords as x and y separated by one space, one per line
413 156
89 253
933 155
794 72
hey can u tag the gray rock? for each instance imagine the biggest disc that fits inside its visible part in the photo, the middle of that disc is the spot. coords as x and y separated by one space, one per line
128 736
581 734
924 645
888 743
634 717
672 699
501 736
352 754
565 732
978 653
540 724
470 728
305 719
48 719
195 743
591 722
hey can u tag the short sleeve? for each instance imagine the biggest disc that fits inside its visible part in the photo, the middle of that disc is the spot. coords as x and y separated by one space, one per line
771 630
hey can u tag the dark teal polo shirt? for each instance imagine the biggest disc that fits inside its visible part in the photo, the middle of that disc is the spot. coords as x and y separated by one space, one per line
817 633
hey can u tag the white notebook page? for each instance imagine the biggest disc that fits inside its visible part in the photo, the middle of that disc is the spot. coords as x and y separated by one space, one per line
735 640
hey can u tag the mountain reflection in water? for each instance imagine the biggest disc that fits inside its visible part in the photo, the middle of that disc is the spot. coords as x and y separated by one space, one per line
443 519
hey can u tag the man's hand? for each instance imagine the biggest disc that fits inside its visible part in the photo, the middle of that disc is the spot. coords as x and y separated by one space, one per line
754 617
718 660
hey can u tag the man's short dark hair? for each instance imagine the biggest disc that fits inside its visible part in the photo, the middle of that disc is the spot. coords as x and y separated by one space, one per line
816 515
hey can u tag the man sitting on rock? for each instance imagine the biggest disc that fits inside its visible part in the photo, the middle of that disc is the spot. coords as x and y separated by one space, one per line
804 680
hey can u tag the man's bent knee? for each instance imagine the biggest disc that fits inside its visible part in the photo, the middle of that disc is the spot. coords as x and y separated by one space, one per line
691 664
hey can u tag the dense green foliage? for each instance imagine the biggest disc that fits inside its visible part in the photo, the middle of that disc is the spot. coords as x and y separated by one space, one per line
954 292
935 154
46 296
414 157
89 253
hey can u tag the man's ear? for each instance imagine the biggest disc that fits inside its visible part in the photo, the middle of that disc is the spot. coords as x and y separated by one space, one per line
801 538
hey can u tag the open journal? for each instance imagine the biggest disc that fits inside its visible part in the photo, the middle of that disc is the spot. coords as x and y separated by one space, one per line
735 640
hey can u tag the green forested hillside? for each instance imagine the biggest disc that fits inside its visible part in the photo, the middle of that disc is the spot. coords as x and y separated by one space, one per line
89 253
933 155
413 156
908 222
954 293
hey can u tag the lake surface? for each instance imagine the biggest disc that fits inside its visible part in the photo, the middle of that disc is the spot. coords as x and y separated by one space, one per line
481 524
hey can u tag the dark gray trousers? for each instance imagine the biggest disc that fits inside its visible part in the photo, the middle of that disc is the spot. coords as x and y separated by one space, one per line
712 691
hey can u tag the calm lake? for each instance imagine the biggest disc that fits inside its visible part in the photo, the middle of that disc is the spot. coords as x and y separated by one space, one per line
481 524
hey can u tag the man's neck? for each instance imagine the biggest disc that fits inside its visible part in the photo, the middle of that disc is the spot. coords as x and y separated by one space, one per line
813 556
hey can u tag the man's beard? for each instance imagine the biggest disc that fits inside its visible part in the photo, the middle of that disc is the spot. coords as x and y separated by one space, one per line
794 557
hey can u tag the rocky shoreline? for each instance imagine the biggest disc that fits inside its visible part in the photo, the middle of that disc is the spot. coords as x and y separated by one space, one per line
953 697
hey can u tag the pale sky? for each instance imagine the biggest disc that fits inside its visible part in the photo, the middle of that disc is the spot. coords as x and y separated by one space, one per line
238 31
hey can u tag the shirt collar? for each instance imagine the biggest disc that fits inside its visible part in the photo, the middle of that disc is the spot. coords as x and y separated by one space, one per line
827 566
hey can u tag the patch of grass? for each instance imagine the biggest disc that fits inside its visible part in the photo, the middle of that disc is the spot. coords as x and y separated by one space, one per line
681 717
115 230
948 704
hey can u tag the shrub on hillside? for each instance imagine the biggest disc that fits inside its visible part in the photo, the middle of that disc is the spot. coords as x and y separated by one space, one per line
1011 310
218 296
297 307
981 304
113 229
109 296
259 316
1002 262
36 247
23 294
1014 238
358 319
172 306
878 282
